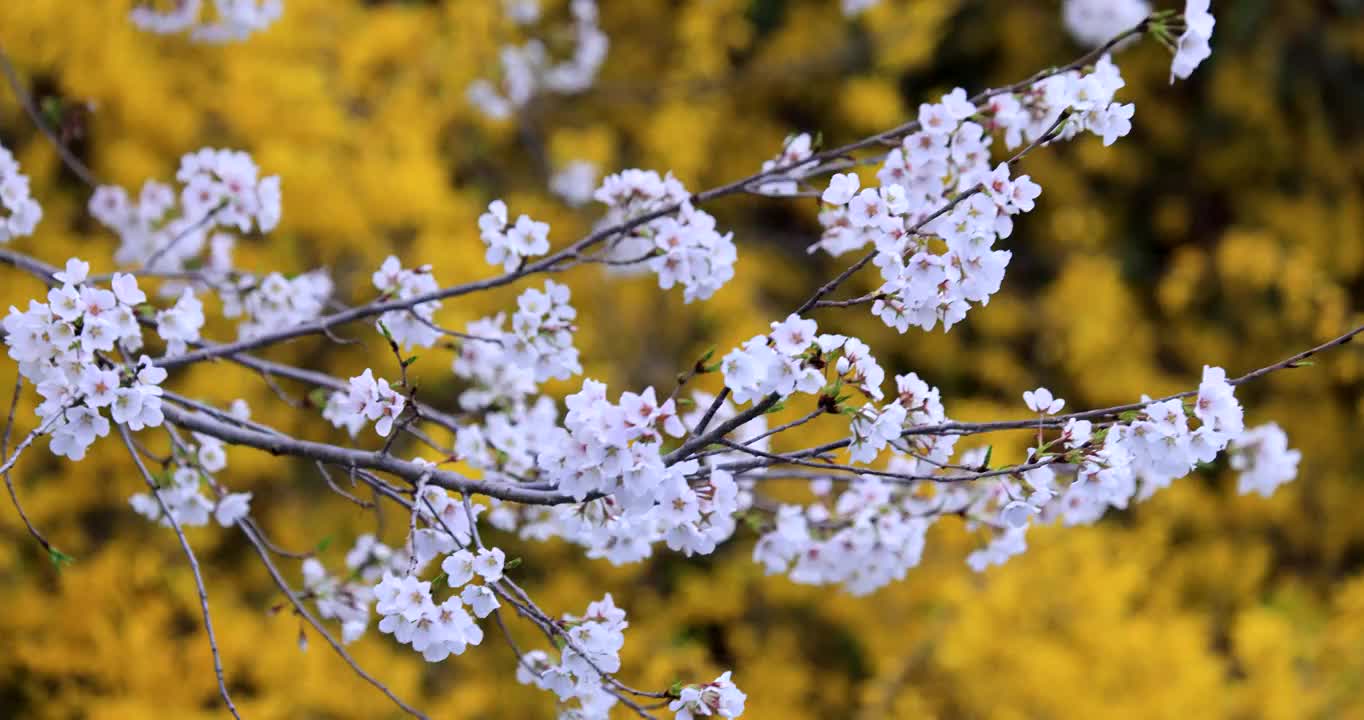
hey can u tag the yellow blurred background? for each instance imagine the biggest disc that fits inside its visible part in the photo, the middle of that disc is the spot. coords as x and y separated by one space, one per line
1225 230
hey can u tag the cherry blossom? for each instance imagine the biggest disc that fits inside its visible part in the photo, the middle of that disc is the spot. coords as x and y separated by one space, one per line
22 212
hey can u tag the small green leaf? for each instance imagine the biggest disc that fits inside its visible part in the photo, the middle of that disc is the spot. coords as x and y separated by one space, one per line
1129 416
59 559
989 450
318 397
512 563
323 544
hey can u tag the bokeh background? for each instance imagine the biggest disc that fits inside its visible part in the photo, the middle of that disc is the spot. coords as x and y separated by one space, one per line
1227 229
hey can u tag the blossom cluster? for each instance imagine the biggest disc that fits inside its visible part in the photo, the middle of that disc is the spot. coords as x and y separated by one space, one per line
1262 456
485 365
608 450
22 212
348 597
274 303
871 535
59 346
235 19
528 69
1195 43
164 230
179 324
407 605
793 358
541 338
682 248
413 325
794 155
182 490
410 614
946 166
592 647
717 698
509 245
365 400
872 532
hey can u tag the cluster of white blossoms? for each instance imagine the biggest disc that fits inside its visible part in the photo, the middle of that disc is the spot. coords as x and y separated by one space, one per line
592 647
410 614
366 400
407 605
347 599
1262 456
682 248
947 163
163 231
226 186
1094 22
274 303
872 533
179 324
541 338
1195 43
58 346
509 245
490 374
233 20
182 489
413 326
21 212
528 69
717 698
794 358
794 153
613 448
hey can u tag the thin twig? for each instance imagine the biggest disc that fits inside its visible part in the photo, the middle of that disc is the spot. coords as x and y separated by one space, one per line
307 615
193 566
69 158
9 484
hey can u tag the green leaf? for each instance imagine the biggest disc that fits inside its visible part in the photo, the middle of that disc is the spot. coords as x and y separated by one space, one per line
989 451
1129 416
59 559
318 397
323 544
512 563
